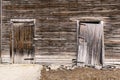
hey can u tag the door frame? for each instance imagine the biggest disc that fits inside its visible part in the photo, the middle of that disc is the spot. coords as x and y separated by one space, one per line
18 21
78 28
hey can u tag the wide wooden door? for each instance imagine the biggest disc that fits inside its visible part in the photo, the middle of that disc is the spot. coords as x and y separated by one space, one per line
23 49
90 43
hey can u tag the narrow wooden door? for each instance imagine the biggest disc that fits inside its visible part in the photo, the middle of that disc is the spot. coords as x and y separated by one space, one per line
90 43
23 49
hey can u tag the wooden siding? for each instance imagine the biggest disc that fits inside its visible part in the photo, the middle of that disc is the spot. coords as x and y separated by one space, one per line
55 32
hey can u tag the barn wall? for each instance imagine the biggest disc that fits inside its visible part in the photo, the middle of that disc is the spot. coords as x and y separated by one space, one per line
55 32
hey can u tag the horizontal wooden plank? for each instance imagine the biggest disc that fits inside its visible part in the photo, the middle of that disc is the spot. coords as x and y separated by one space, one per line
54 43
112 41
58 4
63 35
54 57
48 62
113 56
54 60
43 53
112 63
57 49
89 12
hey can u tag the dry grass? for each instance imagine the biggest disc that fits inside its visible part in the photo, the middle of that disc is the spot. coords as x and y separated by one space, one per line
81 74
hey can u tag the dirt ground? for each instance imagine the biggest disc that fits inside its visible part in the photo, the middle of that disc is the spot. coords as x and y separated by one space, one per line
39 72
81 74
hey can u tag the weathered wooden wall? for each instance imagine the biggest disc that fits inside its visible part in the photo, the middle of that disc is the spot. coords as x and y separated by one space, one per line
55 32
0 25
